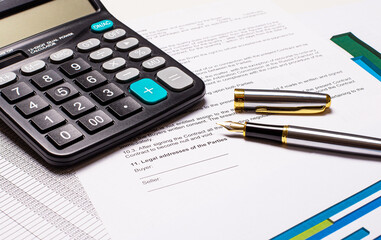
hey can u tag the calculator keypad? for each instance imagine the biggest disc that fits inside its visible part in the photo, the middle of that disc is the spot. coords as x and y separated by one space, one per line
125 107
101 85
7 78
33 67
90 80
89 45
65 136
75 67
140 53
107 93
32 106
17 92
62 93
114 35
127 75
114 64
78 106
101 55
61 55
47 120
127 44
95 121
47 79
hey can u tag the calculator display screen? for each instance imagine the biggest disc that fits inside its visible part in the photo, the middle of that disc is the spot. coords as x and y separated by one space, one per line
40 18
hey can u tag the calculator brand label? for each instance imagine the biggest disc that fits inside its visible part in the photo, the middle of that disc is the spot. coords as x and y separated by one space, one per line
102 26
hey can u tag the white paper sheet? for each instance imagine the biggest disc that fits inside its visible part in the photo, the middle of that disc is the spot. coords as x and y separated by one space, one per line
190 179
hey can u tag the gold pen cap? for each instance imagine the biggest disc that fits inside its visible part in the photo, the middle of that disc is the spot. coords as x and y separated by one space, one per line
280 102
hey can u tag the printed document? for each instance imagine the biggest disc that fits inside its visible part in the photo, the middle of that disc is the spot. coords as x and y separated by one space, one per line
191 179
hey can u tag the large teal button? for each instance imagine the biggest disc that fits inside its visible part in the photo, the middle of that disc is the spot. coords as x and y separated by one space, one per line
102 26
148 91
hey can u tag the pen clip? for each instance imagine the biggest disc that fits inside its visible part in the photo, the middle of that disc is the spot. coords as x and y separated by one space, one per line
280 102
292 110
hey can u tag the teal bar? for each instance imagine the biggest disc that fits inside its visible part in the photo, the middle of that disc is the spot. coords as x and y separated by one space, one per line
359 234
315 220
368 66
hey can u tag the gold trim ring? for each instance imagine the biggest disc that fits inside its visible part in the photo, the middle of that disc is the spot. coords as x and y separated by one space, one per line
285 134
239 99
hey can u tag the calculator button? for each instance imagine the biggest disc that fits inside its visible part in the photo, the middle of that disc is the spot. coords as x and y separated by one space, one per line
148 91
78 106
140 53
127 75
7 78
88 45
102 26
17 92
114 64
64 136
47 120
175 79
153 63
107 93
33 67
95 121
101 54
32 106
115 34
90 80
125 107
62 55
127 44
75 67
62 93
47 79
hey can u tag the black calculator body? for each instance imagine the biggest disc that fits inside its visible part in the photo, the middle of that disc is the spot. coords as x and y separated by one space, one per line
76 89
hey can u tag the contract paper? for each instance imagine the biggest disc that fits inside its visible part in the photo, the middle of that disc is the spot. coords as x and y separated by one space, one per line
191 179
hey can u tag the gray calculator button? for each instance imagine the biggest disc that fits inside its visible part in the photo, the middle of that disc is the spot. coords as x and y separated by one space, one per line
114 64
140 53
153 63
62 55
89 44
115 34
127 44
101 54
175 79
127 75
33 67
7 78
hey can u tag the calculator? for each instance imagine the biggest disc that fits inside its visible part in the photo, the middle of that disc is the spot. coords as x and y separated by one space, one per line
75 81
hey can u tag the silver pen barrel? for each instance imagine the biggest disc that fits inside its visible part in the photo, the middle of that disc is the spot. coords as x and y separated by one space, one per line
329 140
281 102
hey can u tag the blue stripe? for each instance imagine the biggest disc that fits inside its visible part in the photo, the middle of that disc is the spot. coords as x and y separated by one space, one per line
353 216
378 238
309 223
368 66
359 234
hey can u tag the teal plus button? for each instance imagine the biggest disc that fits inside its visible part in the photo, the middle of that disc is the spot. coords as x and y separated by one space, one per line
102 26
148 91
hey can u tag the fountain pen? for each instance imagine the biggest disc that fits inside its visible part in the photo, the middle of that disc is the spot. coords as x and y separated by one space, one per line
309 137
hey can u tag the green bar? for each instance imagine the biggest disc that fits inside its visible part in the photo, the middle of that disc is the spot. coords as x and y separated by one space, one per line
357 48
312 231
